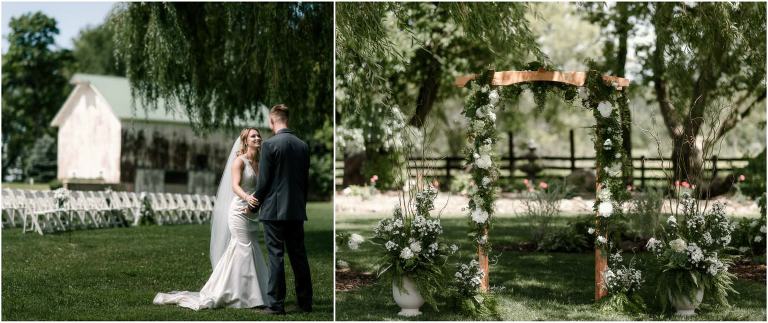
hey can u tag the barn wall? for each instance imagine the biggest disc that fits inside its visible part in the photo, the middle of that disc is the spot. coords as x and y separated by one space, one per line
188 163
89 140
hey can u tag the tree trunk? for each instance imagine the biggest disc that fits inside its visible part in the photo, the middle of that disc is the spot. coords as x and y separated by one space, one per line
622 29
353 169
432 70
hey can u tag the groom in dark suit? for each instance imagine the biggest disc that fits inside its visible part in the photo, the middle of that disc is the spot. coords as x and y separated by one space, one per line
282 195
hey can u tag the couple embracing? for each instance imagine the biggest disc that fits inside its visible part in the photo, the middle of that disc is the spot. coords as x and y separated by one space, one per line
263 182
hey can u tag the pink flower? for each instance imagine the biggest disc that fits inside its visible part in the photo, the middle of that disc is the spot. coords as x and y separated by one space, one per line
693 186
525 181
685 184
677 183
629 188
543 185
374 179
742 178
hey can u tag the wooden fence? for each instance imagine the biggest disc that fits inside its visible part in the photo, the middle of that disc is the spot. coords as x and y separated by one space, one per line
646 170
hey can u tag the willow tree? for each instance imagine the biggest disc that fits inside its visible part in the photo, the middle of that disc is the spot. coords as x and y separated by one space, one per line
404 56
221 61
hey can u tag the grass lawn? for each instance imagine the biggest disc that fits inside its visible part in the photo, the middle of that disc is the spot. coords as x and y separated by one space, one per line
25 186
538 285
113 274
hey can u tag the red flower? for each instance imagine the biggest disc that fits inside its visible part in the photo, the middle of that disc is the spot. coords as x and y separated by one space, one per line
685 184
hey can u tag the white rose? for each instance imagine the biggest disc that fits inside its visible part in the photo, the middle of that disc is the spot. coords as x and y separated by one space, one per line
758 238
454 248
479 215
486 181
762 228
614 170
493 97
406 253
672 220
342 264
602 239
605 109
483 162
415 246
591 231
605 209
677 245
390 245
652 244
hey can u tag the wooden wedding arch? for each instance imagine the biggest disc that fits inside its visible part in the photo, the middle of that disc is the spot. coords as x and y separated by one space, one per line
578 79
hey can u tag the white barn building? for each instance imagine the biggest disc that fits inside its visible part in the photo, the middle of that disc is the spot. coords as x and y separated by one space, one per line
103 140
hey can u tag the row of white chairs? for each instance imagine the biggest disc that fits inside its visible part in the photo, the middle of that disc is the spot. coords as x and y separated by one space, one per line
51 211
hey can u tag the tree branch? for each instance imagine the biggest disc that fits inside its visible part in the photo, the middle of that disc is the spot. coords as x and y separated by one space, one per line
735 116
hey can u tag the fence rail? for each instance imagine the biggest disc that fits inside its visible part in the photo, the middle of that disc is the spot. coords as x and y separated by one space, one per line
645 169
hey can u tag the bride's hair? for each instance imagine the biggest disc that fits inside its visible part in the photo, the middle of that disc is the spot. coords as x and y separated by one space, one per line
244 144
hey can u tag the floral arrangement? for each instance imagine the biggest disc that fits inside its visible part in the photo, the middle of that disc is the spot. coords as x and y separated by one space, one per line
749 236
623 282
61 196
411 245
690 254
480 111
466 296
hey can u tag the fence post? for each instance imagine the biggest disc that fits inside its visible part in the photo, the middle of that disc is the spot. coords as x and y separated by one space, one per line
573 151
642 172
511 144
714 166
448 171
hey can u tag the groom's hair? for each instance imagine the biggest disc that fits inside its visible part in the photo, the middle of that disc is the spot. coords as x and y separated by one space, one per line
279 112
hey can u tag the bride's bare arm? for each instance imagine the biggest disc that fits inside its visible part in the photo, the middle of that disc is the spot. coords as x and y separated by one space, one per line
237 171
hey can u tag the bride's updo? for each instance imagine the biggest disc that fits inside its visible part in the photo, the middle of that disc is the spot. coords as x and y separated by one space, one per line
244 143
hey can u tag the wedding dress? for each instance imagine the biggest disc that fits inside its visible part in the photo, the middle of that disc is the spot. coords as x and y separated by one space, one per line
240 275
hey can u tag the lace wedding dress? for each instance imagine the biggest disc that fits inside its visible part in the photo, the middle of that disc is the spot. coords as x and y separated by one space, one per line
239 279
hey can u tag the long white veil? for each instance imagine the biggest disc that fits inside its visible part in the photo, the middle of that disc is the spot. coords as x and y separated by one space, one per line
219 227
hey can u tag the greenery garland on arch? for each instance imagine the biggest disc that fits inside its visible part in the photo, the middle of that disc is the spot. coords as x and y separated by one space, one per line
597 95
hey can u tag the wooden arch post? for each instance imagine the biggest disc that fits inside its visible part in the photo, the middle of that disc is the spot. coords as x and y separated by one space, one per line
572 78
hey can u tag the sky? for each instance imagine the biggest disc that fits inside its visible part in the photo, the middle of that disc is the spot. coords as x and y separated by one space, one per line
71 17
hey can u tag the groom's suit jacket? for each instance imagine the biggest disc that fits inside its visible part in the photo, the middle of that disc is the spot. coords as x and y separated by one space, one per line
283 178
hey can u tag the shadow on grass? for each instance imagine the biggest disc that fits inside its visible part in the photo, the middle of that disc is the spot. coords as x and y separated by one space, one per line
538 285
113 274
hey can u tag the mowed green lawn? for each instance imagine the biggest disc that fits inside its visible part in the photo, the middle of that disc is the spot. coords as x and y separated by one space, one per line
538 285
113 274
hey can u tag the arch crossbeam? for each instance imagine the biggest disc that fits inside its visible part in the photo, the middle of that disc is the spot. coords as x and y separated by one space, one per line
514 77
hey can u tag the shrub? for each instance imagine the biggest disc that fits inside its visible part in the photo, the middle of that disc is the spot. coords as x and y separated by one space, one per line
645 218
541 206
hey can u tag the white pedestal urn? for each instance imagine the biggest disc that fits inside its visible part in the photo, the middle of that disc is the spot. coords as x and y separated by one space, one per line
684 305
409 299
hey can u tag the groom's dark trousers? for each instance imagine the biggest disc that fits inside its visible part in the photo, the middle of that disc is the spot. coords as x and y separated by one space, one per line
282 191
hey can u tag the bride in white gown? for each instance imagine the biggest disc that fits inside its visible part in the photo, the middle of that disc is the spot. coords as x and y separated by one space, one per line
240 275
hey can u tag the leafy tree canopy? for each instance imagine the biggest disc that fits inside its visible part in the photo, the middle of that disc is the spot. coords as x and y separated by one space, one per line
34 86
222 60
94 51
